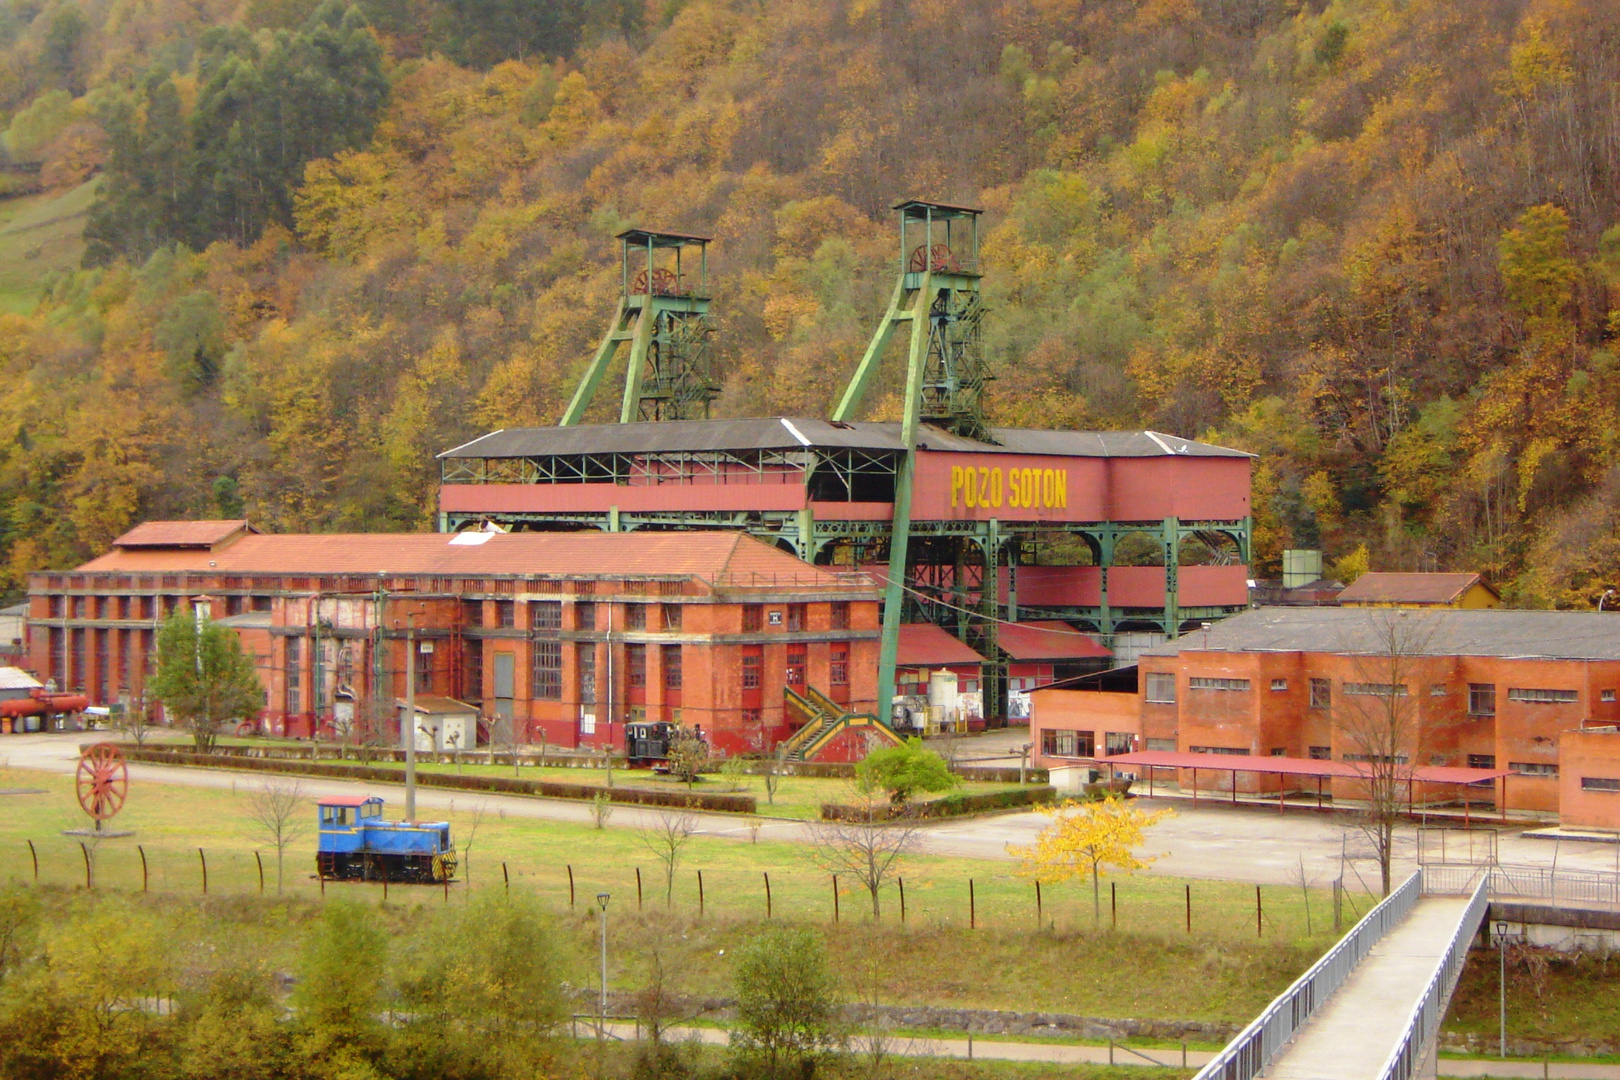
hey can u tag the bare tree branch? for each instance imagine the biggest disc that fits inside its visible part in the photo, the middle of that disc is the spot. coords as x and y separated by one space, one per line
667 838
278 808
869 845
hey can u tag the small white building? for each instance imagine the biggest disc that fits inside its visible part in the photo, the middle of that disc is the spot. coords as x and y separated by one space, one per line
443 725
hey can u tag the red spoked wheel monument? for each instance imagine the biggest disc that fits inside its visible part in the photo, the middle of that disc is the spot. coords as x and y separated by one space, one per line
102 780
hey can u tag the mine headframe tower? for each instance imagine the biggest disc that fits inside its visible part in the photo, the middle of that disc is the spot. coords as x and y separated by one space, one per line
668 375
936 293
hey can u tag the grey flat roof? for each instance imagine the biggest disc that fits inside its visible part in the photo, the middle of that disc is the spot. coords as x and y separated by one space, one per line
791 433
1503 632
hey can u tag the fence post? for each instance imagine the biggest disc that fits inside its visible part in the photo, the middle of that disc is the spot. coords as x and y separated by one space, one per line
835 898
505 877
142 850
203 859
767 874
260 860
35 856
570 885
1259 923
638 888
86 851
1040 920
902 882
1113 905
1189 909
385 886
973 911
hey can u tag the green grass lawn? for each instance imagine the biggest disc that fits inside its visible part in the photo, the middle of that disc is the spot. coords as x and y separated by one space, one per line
1150 966
797 797
39 236
1577 997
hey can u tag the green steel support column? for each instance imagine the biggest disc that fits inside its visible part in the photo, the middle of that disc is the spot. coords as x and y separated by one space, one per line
1246 544
598 367
806 542
992 692
1012 591
613 519
851 401
638 357
900 535
1105 560
1172 577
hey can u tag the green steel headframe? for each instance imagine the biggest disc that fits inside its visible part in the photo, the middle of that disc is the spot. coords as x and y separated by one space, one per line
937 292
668 374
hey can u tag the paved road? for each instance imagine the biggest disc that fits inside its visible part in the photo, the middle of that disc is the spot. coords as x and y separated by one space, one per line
1213 842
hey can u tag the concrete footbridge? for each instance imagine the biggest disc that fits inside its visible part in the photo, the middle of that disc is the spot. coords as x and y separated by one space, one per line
1370 1009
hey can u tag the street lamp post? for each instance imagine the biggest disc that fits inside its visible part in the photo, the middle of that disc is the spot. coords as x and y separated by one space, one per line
407 725
1501 985
601 1015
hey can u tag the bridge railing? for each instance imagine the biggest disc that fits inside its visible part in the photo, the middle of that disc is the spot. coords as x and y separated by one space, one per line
1506 881
1424 1023
1254 1048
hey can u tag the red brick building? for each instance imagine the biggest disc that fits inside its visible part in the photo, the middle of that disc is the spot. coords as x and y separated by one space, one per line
1481 689
567 635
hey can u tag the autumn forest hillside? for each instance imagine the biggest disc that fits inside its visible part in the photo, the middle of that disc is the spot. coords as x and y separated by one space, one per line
1376 242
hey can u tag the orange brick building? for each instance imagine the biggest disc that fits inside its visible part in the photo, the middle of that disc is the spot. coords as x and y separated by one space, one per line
566 635
1481 689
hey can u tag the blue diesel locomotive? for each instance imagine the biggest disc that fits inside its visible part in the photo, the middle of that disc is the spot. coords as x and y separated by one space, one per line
356 844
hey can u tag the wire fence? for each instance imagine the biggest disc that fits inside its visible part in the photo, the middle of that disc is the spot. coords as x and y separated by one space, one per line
1222 911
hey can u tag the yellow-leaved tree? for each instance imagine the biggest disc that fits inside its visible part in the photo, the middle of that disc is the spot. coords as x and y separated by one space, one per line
1087 838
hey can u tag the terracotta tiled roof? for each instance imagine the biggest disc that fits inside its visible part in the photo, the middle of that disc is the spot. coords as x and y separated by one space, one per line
927 645
1048 640
725 559
181 534
1376 588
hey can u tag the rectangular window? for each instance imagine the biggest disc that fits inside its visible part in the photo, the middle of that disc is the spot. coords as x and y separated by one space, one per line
1481 699
546 614
1321 694
751 716
1279 685
473 689
472 612
795 617
838 672
750 671
1239 685
1382 759
1600 783
1533 768
635 616
1607 695
262 603
424 676
795 669
1482 761
1279 751
548 670
1375 689
1230 751
295 675
1163 745
839 617
672 667
506 612
585 659
672 616
1321 753
1161 688
584 615
1541 697
1059 743
1119 742
753 618
635 659
1437 689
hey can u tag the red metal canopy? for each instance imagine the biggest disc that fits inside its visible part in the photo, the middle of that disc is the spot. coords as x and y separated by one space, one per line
347 800
1175 759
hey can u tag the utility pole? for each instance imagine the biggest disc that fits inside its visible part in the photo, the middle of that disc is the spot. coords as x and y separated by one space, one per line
407 726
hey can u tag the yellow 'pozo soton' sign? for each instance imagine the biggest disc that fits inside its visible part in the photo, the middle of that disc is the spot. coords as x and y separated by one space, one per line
1029 489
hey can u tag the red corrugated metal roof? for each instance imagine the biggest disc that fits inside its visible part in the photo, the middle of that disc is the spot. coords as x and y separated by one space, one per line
1175 759
927 645
1377 588
727 559
1048 640
181 534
